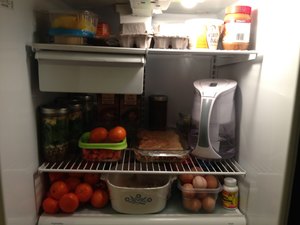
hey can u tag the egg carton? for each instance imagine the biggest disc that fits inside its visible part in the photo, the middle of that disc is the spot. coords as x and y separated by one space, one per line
135 40
174 42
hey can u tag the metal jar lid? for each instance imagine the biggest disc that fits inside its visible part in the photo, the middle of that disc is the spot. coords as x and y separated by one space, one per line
158 98
54 109
75 105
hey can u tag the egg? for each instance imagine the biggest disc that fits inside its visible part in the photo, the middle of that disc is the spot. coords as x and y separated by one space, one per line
212 181
209 203
199 182
186 178
193 204
196 168
201 195
188 191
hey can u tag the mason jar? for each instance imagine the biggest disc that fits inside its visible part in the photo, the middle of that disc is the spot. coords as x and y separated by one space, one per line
54 132
75 125
89 111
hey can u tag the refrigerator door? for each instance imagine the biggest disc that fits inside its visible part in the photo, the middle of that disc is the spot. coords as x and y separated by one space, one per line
268 98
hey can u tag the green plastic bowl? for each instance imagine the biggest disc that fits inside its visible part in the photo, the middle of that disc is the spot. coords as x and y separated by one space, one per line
83 143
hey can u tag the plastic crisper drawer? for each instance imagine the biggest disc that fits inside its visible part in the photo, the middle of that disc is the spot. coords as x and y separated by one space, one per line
90 70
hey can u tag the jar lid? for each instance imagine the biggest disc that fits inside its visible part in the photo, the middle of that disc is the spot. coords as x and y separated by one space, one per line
86 98
75 106
230 181
158 98
238 9
53 109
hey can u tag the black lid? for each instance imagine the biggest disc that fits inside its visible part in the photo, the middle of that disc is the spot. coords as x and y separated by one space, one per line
158 98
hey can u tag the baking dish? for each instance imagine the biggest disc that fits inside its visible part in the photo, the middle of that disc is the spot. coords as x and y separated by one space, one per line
138 193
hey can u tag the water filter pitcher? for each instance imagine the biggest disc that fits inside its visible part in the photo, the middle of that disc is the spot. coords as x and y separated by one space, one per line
213 119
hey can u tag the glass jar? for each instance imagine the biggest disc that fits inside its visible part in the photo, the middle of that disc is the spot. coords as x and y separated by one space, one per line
89 111
158 112
237 26
75 125
55 132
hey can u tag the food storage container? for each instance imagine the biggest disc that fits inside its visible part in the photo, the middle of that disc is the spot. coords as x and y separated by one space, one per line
89 111
138 193
75 125
82 22
107 152
199 199
54 132
160 146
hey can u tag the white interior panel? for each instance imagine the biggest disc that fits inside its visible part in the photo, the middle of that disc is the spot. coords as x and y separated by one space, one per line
174 77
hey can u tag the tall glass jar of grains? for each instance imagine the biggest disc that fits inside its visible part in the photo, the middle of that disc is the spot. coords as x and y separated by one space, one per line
237 26
55 132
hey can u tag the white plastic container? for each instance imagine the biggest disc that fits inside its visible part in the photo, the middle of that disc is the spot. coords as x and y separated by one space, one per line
138 193
230 193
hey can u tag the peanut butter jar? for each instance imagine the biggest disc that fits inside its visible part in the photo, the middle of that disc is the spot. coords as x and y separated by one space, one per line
237 26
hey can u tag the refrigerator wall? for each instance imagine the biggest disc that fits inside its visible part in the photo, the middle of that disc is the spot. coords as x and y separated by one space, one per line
19 97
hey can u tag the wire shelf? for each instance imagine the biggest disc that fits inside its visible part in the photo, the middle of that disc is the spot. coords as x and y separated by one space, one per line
130 165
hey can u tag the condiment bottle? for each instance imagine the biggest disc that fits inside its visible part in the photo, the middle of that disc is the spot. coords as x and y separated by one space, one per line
230 193
55 132
158 112
237 25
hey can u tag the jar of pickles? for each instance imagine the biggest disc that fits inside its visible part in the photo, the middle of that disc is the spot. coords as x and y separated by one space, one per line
55 132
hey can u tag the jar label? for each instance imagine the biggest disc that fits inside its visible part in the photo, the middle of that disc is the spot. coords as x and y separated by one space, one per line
230 199
237 32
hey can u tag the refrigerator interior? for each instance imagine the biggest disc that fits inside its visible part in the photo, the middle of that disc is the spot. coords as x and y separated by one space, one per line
266 97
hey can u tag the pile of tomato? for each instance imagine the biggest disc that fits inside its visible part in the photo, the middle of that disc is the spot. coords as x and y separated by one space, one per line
102 135
69 191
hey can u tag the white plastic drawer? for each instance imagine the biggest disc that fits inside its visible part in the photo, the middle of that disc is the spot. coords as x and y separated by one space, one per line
62 71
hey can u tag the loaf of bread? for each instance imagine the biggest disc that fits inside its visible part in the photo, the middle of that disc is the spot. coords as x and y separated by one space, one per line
159 140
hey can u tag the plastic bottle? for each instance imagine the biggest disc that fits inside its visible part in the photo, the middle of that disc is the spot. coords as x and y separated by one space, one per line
230 193
237 23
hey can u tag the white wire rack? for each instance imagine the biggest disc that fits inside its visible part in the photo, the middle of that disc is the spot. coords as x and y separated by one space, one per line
129 164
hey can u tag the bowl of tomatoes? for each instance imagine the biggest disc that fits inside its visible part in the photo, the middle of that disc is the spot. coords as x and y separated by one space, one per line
101 144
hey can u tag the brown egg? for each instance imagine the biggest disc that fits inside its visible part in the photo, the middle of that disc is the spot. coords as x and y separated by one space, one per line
188 191
196 168
201 195
186 178
209 203
199 182
193 204
212 181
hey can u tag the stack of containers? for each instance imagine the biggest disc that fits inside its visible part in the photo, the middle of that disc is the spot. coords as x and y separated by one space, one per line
72 27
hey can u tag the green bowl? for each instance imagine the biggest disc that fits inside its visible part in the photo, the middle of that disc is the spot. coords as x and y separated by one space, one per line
83 143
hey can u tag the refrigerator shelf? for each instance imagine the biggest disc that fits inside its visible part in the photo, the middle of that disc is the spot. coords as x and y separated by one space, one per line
173 214
130 165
